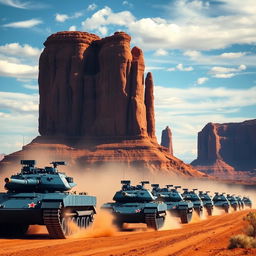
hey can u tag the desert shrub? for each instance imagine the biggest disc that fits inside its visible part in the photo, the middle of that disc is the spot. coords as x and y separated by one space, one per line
242 241
251 228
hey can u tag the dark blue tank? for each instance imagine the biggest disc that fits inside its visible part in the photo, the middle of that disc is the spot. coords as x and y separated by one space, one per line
176 205
233 202
136 204
40 196
247 201
220 201
195 199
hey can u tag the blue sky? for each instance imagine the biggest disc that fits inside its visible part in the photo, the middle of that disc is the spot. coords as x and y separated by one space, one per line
202 55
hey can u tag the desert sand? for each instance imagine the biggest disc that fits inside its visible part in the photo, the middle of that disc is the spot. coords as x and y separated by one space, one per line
201 238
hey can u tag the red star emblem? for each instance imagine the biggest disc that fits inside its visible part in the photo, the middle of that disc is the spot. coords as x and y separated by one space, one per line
138 210
31 205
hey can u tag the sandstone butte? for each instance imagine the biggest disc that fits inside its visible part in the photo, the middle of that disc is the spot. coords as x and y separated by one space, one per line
166 139
96 107
227 149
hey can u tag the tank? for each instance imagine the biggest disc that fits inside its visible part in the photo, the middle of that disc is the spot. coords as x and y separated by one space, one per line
207 201
136 204
233 202
195 199
176 205
220 201
240 202
247 201
39 196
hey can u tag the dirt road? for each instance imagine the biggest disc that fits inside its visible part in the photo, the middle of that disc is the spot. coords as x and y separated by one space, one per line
204 238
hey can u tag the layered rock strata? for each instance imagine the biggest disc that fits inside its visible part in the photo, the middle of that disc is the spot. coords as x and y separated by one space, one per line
224 149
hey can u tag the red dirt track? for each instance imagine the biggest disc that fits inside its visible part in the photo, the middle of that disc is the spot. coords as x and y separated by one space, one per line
204 238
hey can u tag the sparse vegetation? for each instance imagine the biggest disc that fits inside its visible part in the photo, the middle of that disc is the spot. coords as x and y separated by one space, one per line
247 240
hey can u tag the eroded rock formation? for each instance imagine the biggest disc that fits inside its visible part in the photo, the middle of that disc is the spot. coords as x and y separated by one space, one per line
166 139
226 148
96 107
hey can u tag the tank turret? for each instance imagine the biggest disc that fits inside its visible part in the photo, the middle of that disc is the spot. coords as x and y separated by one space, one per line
192 196
33 179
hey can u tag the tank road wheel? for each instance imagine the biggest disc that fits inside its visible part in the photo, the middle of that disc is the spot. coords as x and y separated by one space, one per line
209 211
153 221
185 216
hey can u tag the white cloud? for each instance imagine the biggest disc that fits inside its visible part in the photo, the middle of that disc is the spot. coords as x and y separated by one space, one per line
18 70
160 52
23 4
105 17
91 7
72 28
31 87
23 24
202 80
18 50
192 54
128 4
15 3
150 68
232 55
19 102
63 17
224 72
195 27
103 30
180 67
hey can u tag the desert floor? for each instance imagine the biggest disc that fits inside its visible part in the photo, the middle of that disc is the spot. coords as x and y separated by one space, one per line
201 237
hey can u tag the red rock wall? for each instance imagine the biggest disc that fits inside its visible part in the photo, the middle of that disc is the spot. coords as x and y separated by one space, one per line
94 87
233 144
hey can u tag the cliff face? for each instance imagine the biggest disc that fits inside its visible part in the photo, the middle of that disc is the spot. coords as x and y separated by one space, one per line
166 139
96 107
227 148
94 87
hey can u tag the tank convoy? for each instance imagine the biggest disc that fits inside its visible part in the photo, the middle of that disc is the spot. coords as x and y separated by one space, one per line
207 201
39 196
136 204
176 205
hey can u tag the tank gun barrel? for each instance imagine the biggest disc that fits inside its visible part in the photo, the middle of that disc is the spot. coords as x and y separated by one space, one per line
23 182
155 185
176 187
169 185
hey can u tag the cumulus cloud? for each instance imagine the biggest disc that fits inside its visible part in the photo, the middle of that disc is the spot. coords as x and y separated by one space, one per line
180 67
18 70
19 61
224 72
72 28
105 17
196 26
202 80
232 55
91 7
18 102
23 24
15 49
63 17
160 52
31 87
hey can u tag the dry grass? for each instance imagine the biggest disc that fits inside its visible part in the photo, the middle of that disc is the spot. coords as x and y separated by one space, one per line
247 240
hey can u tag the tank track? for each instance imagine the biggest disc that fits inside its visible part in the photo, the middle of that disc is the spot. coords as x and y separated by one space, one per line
153 221
52 221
